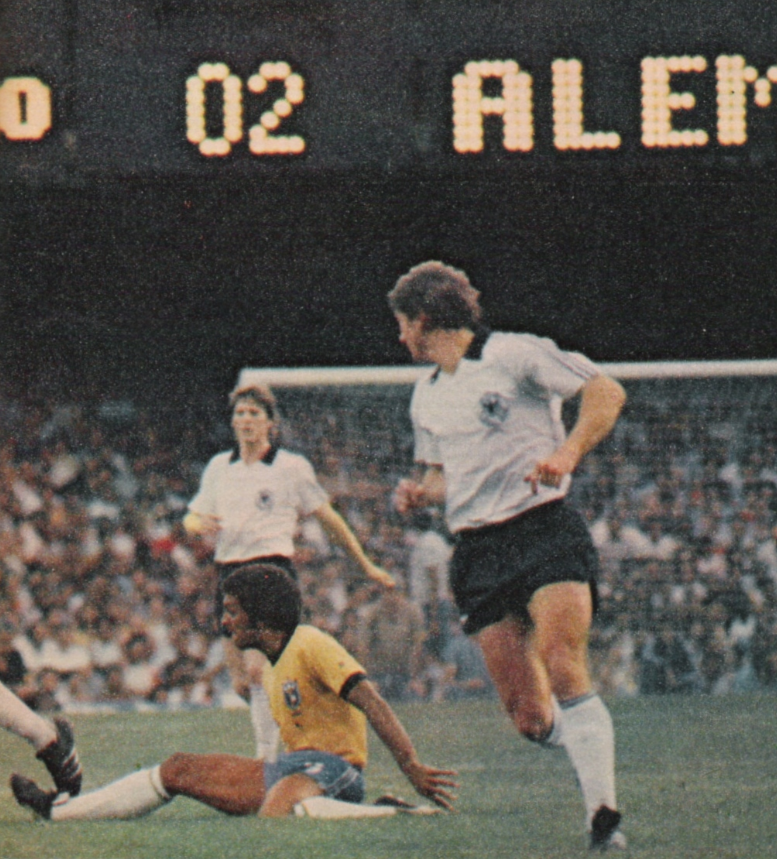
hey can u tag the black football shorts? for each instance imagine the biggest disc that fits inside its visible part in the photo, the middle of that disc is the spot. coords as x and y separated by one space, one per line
496 569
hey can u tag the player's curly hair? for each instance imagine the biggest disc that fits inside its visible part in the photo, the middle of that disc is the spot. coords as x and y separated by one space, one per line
267 594
440 293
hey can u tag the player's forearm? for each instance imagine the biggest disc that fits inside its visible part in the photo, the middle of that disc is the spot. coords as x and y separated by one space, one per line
433 486
385 724
338 530
601 403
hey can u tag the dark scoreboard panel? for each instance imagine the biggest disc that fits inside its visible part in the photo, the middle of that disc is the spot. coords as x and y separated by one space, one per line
93 90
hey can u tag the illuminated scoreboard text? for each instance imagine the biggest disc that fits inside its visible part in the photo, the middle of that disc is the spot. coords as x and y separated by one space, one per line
93 91
667 93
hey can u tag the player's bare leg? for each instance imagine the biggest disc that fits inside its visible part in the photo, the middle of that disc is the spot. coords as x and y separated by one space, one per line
228 783
232 784
519 675
286 793
562 614
17 717
540 670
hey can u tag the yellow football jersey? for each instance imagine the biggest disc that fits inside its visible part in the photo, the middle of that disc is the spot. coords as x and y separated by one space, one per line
304 690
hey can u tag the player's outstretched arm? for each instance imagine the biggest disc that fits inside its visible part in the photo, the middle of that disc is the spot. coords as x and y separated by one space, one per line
430 782
338 529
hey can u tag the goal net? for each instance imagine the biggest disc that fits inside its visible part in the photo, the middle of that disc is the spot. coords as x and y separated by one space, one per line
681 501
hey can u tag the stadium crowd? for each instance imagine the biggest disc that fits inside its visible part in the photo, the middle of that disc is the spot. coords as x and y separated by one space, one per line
105 601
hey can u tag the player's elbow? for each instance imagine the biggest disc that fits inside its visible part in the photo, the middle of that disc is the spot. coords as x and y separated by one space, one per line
604 397
618 395
613 393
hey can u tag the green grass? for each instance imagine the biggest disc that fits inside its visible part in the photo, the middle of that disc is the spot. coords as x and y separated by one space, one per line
697 780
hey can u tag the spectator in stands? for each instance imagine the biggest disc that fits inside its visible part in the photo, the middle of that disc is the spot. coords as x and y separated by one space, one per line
465 675
766 554
393 634
12 668
664 461
61 652
113 691
430 556
45 692
139 676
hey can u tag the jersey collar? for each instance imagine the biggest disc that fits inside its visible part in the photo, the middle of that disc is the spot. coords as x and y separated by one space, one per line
474 350
267 459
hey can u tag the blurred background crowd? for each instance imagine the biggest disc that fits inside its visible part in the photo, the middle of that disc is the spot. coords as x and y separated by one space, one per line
105 602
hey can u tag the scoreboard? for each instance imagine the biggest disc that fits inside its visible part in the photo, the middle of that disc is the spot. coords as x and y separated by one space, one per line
92 91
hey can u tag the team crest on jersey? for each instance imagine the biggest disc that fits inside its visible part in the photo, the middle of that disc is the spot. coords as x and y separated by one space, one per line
264 500
291 695
493 409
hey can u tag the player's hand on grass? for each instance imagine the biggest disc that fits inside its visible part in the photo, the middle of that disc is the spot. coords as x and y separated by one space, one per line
432 783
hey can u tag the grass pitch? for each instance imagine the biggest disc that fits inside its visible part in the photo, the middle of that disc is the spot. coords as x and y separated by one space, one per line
697 779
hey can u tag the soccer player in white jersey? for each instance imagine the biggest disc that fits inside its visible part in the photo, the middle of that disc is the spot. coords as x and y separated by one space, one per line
322 700
53 743
488 431
250 501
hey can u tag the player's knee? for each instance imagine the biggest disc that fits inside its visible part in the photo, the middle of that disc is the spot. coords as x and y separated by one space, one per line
174 771
535 726
531 719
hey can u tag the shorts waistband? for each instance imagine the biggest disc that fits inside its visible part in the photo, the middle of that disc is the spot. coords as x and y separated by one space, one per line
519 517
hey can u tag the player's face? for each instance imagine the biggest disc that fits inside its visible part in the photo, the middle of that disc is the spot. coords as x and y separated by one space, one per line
412 335
235 622
251 423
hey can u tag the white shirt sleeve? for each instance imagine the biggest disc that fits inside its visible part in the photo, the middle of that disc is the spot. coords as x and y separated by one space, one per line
204 502
426 449
311 495
547 366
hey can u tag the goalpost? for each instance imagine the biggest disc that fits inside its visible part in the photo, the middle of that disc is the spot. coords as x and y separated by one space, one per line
300 377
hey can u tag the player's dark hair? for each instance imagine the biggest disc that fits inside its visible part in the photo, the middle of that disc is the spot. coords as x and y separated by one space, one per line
439 292
260 394
267 594
263 397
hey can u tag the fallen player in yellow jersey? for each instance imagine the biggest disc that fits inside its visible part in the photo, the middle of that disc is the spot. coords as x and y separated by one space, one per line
322 700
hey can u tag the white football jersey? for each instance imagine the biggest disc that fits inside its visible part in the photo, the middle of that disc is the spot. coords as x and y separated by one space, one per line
259 504
489 423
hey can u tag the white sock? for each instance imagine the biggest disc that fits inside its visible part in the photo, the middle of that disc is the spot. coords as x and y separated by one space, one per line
324 808
266 731
555 739
132 796
17 717
589 739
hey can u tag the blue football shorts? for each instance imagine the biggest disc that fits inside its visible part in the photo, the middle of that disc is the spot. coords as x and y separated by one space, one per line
333 774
